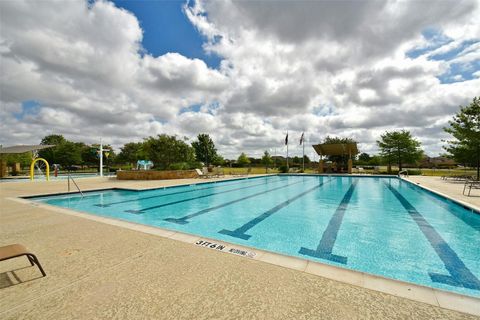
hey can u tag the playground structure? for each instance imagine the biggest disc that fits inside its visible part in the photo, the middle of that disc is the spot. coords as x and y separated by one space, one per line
35 165
144 164
41 165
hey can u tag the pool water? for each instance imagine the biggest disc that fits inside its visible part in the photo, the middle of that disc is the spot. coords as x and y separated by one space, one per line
382 226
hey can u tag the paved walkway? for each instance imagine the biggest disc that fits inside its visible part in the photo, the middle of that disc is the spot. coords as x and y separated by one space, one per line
100 271
448 187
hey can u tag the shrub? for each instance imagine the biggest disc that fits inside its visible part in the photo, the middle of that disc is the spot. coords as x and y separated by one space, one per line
283 169
178 166
413 172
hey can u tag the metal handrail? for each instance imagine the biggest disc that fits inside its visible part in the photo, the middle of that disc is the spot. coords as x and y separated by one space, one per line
76 185
404 172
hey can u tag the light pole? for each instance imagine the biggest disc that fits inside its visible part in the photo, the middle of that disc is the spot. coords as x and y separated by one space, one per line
101 158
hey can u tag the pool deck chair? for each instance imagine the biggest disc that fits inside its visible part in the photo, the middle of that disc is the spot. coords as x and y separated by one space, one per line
471 184
200 173
17 250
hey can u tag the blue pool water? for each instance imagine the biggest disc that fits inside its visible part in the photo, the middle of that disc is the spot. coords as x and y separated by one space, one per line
382 226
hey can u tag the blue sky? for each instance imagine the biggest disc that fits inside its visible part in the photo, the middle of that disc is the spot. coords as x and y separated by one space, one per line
457 71
167 29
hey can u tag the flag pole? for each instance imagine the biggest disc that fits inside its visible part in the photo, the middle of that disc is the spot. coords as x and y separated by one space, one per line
287 156
275 159
303 158
286 142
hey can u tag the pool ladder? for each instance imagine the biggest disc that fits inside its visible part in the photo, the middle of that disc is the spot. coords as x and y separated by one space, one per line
69 177
405 173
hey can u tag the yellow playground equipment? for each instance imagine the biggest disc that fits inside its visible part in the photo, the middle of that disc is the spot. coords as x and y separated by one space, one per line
44 164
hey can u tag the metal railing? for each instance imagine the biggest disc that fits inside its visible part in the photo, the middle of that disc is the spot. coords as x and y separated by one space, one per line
69 177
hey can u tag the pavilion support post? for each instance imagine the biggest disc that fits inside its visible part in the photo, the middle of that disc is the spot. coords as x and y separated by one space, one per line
350 162
16 169
320 165
3 168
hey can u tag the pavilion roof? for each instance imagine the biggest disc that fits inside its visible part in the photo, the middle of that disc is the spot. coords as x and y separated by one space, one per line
336 149
24 148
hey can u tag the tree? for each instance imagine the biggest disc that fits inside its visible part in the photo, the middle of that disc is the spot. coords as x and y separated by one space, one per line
50 154
132 152
165 151
364 157
465 129
243 160
91 156
68 153
23 158
266 160
205 150
399 146
65 152
218 160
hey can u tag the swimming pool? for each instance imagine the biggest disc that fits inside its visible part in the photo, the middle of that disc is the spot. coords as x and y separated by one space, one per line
383 226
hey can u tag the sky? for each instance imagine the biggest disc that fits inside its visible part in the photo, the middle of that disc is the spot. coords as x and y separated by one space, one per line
245 72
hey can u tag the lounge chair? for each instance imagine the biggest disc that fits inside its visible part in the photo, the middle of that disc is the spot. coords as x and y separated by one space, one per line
17 250
471 184
202 174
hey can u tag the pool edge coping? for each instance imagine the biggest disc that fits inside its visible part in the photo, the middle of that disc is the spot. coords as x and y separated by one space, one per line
419 293
466 205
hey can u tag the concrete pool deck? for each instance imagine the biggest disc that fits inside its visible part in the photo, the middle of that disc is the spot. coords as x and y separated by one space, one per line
98 270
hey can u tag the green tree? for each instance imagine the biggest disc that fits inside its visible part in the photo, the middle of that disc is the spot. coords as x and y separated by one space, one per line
65 152
243 160
218 160
266 160
132 152
205 150
68 153
25 159
400 147
364 157
165 151
90 153
465 129
50 154
375 160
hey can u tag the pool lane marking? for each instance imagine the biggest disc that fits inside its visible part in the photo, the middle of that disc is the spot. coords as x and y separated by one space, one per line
326 244
173 193
184 219
240 232
195 198
463 217
460 275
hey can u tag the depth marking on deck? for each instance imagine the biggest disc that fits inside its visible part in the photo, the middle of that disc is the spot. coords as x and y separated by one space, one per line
173 193
184 219
325 247
460 275
240 232
225 248
190 199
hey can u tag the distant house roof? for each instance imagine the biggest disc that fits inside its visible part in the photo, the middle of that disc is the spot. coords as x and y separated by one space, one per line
24 148
336 149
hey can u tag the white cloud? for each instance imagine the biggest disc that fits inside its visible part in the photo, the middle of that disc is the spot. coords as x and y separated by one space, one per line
323 67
